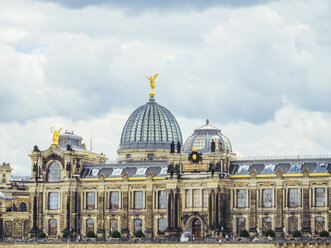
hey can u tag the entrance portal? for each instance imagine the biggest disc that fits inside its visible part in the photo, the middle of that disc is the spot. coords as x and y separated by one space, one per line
196 228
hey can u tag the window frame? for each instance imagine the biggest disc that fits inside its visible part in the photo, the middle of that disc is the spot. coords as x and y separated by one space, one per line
138 199
89 197
113 197
53 202
243 198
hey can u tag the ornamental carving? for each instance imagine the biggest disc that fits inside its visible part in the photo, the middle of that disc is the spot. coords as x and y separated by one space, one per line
53 157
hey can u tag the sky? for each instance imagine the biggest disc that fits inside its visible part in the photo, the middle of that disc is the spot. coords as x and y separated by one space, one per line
258 70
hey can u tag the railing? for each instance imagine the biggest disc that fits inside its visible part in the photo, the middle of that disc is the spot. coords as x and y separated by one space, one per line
285 157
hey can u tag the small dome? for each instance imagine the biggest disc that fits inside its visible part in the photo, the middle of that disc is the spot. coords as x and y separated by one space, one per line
150 126
69 138
202 138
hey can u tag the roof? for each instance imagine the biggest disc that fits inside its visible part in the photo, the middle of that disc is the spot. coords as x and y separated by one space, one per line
202 138
288 166
116 171
151 126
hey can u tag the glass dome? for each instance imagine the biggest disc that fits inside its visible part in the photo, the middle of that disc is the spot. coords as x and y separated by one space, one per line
150 126
202 138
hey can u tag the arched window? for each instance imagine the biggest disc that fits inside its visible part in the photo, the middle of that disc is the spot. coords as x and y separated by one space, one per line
89 225
266 224
8 228
54 172
138 224
241 224
113 225
292 224
319 224
162 225
52 227
22 207
25 228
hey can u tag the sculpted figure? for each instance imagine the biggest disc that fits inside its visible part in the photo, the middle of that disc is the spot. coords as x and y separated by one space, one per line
172 147
219 146
151 81
55 135
178 147
212 146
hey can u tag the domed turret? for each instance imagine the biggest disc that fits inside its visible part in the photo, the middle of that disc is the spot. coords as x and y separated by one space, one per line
202 138
150 126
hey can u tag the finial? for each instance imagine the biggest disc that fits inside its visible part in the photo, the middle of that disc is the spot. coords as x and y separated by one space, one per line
152 84
207 122
55 135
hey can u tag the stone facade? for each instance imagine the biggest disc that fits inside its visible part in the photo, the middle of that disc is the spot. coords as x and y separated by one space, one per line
165 192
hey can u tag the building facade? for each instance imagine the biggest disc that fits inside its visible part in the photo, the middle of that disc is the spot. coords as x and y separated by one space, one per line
163 186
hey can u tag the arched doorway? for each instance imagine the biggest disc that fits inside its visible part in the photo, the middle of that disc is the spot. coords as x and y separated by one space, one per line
196 228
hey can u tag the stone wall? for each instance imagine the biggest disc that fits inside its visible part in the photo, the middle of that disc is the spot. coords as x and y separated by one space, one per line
174 245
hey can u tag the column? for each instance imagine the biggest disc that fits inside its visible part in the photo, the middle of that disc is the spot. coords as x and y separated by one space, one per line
169 195
210 207
149 213
305 216
124 215
253 207
279 212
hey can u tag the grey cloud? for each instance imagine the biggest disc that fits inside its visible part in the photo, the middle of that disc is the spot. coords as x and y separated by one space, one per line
246 67
159 4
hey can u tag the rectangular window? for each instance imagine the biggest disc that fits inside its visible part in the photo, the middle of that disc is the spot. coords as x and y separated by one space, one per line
90 196
162 199
241 198
128 155
138 199
293 198
205 198
53 200
114 200
197 198
319 197
267 198
188 198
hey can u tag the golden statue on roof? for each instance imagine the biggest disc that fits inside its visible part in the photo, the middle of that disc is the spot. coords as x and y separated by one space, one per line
152 84
55 135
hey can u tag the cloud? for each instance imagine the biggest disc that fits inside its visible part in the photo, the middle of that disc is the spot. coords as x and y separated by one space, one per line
228 63
158 4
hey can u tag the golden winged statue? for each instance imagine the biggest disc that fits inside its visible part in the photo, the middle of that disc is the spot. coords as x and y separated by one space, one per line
152 84
55 135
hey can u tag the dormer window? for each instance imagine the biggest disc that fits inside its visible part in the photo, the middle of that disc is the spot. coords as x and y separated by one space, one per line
269 168
243 169
141 171
150 156
94 172
321 167
295 168
164 170
117 172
